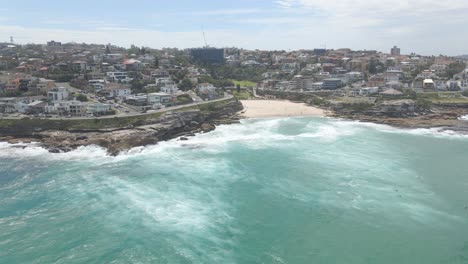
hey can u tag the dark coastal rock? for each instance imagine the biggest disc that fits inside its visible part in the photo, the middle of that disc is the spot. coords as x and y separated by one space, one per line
207 127
81 138
183 139
54 150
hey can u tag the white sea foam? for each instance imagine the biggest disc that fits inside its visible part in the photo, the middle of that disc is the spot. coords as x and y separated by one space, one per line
435 132
252 133
465 118
34 150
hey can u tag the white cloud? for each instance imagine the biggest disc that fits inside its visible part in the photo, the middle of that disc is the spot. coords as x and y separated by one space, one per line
382 23
381 6
284 3
228 12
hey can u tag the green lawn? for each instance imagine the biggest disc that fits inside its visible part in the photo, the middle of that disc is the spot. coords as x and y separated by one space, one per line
245 83
445 97
243 95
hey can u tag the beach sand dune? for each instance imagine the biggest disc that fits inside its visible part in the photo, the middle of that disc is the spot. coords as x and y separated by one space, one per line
278 108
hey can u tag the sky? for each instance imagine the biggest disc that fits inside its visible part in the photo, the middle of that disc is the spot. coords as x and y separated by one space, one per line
428 27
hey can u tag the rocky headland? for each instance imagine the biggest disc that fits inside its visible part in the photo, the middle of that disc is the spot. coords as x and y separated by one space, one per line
141 132
406 114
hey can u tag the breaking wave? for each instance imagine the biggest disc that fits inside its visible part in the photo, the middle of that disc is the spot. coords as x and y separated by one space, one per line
240 194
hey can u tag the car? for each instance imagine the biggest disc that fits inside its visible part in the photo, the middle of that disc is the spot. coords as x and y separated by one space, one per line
126 111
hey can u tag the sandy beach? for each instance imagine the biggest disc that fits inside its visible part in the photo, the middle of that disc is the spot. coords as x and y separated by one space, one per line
278 108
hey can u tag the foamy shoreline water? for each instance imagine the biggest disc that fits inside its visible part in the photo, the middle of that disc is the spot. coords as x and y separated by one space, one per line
336 129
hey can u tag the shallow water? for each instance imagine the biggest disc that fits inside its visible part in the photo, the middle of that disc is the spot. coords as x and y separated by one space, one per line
291 190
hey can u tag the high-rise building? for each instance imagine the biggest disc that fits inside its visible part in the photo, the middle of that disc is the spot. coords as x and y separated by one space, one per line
395 51
208 55
54 44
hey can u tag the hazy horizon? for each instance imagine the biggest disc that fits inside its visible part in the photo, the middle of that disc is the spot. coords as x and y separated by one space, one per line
427 28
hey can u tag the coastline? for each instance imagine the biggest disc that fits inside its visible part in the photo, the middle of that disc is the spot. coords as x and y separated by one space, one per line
444 120
440 118
122 137
185 124
279 108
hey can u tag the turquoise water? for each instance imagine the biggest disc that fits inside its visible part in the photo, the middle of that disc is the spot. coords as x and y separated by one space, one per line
294 190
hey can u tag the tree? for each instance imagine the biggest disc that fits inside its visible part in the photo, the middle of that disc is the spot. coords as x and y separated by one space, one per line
455 68
138 85
410 94
238 87
423 104
82 98
186 85
156 62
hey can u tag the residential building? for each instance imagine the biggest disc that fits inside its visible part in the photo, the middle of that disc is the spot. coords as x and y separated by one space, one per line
44 85
117 90
79 66
205 87
164 81
137 100
354 76
77 108
37 107
317 86
8 104
98 109
132 65
58 94
170 89
428 85
207 91
118 76
12 86
366 91
158 73
376 80
439 69
331 84
97 85
158 99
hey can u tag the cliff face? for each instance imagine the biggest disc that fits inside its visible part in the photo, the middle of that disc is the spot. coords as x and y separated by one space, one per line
393 108
124 135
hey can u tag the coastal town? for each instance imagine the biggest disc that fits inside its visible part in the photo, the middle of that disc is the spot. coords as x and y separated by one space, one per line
81 88
72 80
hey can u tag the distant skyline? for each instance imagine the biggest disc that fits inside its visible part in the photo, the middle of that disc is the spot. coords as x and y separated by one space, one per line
428 27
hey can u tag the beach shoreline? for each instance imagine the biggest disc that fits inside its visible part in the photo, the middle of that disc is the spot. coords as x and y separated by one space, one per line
279 108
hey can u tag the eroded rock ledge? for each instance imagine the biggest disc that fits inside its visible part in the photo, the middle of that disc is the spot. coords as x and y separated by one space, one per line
116 139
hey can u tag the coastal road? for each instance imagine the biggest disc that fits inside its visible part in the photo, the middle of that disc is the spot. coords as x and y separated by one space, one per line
168 109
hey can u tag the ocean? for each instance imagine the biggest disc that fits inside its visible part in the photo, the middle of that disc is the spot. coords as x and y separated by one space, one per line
288 190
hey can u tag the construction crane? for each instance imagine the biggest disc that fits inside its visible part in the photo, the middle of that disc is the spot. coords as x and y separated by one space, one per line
204 38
